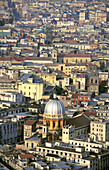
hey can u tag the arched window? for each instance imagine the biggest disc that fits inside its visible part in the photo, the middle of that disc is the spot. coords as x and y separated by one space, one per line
96 81
32 145
66 60
59 124
91 80
53 124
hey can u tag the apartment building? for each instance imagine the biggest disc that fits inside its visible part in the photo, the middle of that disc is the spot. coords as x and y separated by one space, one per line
100 128
48 77
74 58
11 96
94 82
74 155
8 132
30 86
79 80
29 128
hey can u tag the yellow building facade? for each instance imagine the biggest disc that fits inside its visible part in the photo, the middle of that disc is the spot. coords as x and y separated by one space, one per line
50 78
67 68
77 59
42 35
31 89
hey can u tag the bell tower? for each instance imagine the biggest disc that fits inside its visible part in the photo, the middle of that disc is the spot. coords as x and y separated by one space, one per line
45 129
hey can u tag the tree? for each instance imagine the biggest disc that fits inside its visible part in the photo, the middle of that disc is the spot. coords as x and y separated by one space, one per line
59 91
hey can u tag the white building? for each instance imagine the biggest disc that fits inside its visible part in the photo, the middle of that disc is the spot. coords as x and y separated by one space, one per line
76 127
89 145
11 96
100 128
76 155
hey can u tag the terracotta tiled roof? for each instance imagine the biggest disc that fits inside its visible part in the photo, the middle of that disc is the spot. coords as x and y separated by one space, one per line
24 156
4 59
30 122
38 58
10 59
75 96
88 113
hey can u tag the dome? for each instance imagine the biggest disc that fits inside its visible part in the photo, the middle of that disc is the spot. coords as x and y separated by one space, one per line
54 21
54 108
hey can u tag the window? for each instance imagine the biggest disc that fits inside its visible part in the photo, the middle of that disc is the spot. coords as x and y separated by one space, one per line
44 130
8 129
91 80
11 129
5 129
29 87
53 124
61 68
27 145
67 61
59 124
75 155
32 145
96 81
29 93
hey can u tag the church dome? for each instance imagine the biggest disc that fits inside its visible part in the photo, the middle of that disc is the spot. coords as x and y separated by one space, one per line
54 108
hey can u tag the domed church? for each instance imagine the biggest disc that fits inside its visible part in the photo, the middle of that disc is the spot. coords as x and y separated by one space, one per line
54 116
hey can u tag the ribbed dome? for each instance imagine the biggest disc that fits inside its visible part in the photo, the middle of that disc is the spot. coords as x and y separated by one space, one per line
54 107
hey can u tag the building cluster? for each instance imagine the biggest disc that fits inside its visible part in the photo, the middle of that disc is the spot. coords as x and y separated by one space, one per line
54 84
